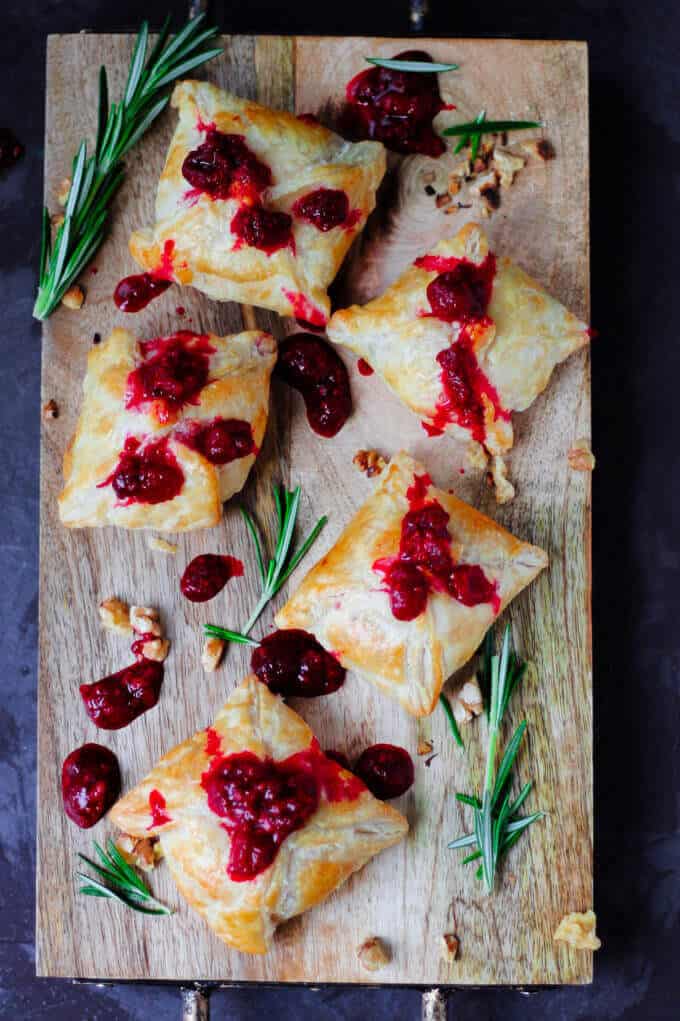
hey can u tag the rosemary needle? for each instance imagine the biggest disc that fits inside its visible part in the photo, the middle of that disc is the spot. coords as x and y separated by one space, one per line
118 881
421 66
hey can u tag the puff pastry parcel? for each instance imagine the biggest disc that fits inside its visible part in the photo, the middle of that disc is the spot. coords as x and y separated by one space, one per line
257 205
463 338
407 593
256 824
169 429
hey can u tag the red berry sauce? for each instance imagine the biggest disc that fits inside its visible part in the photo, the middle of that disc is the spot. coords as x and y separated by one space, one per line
325 209
386 769
157 808
220 441
262 228
224 167
119 699
262 802
90 784
311 366
134 293
364 368
307 314
173 372
11 149
338 757
425 562
207 575
396 108
461 293
146 473
292 663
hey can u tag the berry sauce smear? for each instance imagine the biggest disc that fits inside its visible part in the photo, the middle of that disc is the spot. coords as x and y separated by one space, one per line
261 228
207 575
312 367
173 372
117 700
292 663
396 108
224 167
145 473
386 769
325 209
90 784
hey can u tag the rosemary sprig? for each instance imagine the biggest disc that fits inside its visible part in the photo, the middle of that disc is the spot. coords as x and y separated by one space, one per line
471 132
95 179
446 706
421 66
497 825
279 567
121 882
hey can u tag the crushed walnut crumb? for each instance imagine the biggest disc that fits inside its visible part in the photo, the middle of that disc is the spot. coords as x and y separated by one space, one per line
370 462
497 477
161 545
114 615
450 946
373 954
211 656
581 457
145 620
443 200
468 702
578 930
64 189
74 297
424 747
56 219
50 409
141 852
539 147
507 164
156 649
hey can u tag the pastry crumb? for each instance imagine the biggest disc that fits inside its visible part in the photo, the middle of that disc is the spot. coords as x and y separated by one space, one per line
74 297
581 457
213 650
50 409
373 954
450 946
145 620
370 462
507 165
64 189
114 615
503 489
578 930
468 702
156 649
424 747
141 852
162 545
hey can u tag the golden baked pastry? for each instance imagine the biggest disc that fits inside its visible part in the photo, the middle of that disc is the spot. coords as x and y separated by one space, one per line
464 339
407 593
257 205
169 429
242 857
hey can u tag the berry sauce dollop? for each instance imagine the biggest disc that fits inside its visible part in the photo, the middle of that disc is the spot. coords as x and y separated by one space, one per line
395 107
134 293
386 769
262 228
157 810
292 663
325 209
90 784
312 367
173 372
425 561
117 700
461 292
224 167
207 574
146 473
220 441
262 801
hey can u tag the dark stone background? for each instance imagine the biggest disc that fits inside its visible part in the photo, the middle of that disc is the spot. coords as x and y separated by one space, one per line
635 88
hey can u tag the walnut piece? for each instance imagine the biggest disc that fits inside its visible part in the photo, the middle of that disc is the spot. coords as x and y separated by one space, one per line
503 488
581 457
540 147
115 616
162 545
443 200
450 946
56 219
142 852
507 164
468 702
370 462
145 621
64 189
156 649
424 747
213 650
50 409
373 954
74 297
578 930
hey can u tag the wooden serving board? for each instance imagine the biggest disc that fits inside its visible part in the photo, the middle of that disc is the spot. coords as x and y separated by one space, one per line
413 893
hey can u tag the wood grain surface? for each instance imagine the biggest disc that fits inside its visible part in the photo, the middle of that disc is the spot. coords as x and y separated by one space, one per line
413 893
